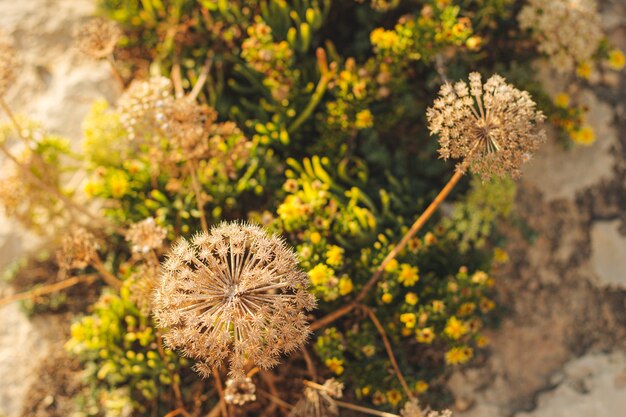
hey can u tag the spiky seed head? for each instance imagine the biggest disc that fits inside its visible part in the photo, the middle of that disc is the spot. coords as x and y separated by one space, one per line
98 37
78 249
492 128
145 236
239 391
319 401
234 293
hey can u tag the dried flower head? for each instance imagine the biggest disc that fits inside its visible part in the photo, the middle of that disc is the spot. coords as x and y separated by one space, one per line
239 391
413 409
98 37
493 128
145 236
319 400
78 249
569 32
142 105
235 293
8 65
142 284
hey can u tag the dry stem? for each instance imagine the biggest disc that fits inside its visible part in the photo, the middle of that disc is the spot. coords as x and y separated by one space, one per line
199 199
48 289
220 391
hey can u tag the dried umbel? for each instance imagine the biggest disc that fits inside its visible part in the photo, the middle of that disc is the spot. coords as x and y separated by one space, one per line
142 106
8 66
319 400
239 391
569 32
78 249
234 293
143 282
98 37
413 409
493 128
145 236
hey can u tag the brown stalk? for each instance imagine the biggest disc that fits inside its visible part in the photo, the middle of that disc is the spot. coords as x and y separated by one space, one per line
177 80
108 277
365 410
220 391
204 74
419 223
310 366
175 386
48 289
392 357
276 400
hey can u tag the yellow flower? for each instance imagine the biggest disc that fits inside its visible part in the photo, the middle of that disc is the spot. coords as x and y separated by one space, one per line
479 277
387 298
482 341
335 365
364 119
561 100
334 255
584 136
320 274
425 335
411 298
584 70
394 397
384 39
500 256
459 355
345 285
421 386
429 238
368 350
486 305
438 306
315 238
118 183
473 43
408 275
406 331
391 266
466 309
616 59
366 390
455 329
378 398
408 319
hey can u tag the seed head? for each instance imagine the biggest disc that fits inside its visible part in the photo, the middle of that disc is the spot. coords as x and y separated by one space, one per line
142 104
145 236
569 32
142 284
493 128
412 409
78 249
234 293
319 401
98 37
8 66
239 391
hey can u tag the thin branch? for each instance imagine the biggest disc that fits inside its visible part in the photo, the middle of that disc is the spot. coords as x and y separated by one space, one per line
392 357
275 399
198 193
310 366
220 391
107 276
177 80
48 289
365 410
204 74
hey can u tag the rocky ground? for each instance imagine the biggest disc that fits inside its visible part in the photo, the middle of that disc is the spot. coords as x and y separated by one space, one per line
561 347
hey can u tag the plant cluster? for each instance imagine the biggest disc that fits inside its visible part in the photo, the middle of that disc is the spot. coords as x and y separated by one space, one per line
265 154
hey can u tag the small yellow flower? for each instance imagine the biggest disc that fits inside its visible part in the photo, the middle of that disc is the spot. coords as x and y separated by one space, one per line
455 329
414 245
378 398
335 365
406 331
320 274
486 305
429 238
466 309
584 136
291 185
617 59
561 100
383 39
345 285
584 70
387 298
368 350
118 183
473 43
425 335
459 355
391 266
364 119
438 306
334 255
408 275
366 390
408 319
500 256
421 386
482 341
479 277
315 238
394 397
411 298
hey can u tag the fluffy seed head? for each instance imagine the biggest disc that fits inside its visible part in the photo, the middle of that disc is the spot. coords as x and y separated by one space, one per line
493 128
239 391
569 32
78 249
98 37
145 236
234 293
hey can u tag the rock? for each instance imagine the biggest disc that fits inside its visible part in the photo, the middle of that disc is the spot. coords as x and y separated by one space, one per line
591 388
608 258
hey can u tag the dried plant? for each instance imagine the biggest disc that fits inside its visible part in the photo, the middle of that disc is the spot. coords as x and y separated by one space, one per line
235 292
98 37
413 409
569 32
143 283
319 400
8 65
78 249
493 128
145 236
239 391
142 106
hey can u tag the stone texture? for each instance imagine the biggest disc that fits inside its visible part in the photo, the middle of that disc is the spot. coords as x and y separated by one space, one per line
608 257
